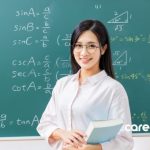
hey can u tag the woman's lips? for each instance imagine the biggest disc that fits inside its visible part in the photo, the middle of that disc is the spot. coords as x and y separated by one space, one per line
85 60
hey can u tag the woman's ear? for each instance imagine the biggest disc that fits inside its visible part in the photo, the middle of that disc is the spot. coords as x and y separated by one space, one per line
103 49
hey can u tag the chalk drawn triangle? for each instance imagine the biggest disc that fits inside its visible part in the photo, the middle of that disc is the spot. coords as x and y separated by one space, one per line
121 59
122 18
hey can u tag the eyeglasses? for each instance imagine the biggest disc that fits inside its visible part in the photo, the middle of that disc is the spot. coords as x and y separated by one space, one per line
90 48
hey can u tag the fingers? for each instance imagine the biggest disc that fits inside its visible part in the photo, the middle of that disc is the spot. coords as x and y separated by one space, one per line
72 141
76 139
82 134
79 138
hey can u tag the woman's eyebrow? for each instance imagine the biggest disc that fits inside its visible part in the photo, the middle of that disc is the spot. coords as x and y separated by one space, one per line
90 42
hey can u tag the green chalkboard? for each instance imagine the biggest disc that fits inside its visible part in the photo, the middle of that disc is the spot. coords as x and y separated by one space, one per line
34 53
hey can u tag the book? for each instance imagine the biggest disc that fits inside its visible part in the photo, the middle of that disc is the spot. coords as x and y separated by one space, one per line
102 131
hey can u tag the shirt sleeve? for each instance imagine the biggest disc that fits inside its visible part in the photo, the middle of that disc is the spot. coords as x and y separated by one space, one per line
48 121
119 109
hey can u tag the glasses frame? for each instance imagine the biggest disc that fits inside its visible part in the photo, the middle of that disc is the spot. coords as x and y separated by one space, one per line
87 46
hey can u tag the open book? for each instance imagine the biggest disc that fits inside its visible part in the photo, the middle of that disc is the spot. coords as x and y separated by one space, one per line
102 131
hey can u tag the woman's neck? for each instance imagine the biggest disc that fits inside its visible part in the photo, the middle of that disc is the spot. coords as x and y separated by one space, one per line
86 73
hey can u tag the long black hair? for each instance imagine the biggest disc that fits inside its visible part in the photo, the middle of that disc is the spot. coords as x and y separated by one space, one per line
101 33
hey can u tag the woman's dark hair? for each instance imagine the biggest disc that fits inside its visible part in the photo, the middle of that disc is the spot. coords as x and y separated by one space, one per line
101 33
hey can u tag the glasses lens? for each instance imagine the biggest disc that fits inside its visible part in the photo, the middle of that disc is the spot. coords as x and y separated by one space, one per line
91 48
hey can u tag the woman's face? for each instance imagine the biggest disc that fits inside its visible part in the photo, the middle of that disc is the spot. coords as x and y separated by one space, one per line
87 51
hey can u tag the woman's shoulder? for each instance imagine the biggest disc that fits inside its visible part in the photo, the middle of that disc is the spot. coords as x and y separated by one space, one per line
62 82
65 79
114 84
117 89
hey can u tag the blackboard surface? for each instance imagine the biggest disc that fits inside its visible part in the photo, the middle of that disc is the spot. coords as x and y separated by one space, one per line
34 53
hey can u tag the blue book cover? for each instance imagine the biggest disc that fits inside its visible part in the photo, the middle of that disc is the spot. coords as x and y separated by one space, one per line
102 131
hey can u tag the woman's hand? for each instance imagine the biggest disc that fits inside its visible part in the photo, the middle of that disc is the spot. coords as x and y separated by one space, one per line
73 138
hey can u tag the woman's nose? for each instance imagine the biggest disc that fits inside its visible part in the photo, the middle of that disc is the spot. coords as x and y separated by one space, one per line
84 50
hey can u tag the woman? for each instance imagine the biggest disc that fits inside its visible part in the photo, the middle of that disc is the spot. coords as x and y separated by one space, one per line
91 93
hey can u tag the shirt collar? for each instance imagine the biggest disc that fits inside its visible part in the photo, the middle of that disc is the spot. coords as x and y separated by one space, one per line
76 76
99 77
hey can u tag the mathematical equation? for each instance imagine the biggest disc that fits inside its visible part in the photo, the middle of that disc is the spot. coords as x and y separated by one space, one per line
29 29
134 76
31 68
143 116
19 121
31 74
132 39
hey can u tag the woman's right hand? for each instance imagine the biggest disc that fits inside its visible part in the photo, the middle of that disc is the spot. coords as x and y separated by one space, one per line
75 138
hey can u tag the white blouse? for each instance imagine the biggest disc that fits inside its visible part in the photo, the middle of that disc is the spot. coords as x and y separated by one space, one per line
73 106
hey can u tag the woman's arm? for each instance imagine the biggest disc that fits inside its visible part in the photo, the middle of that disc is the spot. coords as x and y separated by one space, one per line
120 109
48 123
